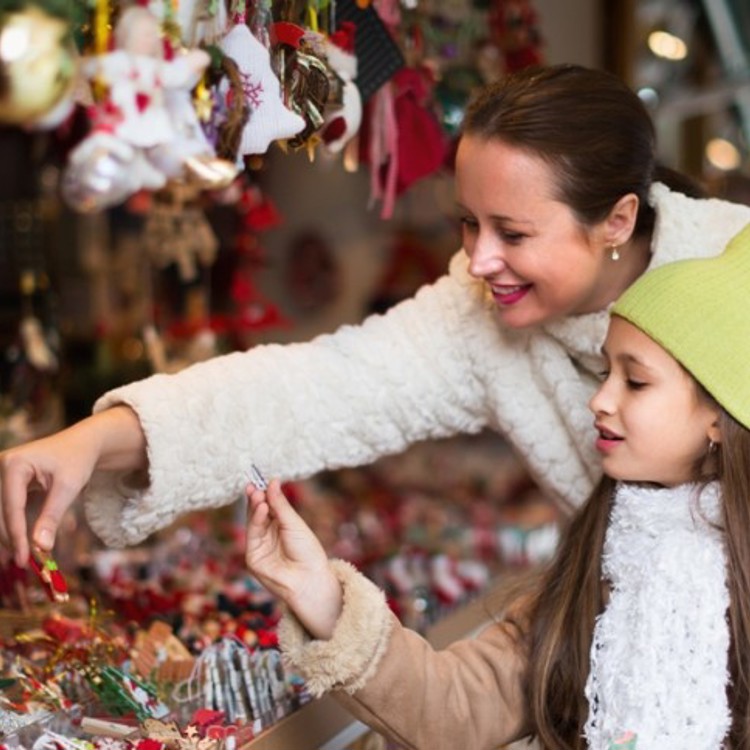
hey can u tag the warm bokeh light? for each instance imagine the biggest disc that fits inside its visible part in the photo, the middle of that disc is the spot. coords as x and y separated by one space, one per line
723 154
666 45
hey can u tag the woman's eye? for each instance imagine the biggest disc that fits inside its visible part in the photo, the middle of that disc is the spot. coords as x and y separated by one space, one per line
467 223
512 237
602 375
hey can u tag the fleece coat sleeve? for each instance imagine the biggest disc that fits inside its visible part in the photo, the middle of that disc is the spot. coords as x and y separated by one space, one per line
340 400
436 365
469 695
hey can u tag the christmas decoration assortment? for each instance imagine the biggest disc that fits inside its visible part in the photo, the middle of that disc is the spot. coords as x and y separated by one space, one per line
172 645
190 91
167 111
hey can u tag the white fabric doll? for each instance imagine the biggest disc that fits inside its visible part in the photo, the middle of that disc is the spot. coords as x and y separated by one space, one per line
145 120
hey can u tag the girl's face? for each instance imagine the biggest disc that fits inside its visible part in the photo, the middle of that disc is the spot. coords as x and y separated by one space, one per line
653 423
540 263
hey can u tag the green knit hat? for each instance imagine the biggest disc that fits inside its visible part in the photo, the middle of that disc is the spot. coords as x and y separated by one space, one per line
699 311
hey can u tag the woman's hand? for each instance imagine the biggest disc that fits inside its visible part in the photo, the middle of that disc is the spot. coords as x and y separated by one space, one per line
57 468
286 557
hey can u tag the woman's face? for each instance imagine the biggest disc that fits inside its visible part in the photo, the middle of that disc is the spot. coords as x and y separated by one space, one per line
539 262
653 423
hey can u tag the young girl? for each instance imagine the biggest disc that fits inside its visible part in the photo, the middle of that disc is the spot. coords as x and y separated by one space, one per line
641 624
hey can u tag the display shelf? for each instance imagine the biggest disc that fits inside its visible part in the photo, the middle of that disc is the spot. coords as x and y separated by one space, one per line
323 724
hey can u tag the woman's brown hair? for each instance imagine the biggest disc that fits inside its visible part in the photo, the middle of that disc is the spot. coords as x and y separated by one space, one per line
588 125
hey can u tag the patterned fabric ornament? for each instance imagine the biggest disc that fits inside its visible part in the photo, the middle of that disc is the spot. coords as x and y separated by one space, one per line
343 121
270 119
378 53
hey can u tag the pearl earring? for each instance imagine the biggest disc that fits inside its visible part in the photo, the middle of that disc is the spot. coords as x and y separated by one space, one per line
614 252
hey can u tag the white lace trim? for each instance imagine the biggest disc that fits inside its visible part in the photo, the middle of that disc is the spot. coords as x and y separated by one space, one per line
659 654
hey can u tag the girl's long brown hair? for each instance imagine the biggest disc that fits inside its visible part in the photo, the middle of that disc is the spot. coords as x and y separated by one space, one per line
561 626
570 595
734 474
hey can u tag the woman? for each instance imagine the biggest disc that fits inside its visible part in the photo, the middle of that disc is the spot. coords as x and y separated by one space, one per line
555 182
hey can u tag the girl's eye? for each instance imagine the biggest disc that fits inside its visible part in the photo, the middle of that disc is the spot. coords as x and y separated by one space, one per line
635 385
602 375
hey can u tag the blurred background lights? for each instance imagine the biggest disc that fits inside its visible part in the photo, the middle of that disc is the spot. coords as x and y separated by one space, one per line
14 44
723 155
667 46
649 96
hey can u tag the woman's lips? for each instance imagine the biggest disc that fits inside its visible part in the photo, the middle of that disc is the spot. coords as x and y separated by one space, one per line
509 295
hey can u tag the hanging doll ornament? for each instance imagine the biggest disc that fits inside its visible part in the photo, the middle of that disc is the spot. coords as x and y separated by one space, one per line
143 132
269 118
343 118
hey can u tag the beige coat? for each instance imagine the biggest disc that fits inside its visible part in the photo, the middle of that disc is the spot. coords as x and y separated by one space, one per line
468 696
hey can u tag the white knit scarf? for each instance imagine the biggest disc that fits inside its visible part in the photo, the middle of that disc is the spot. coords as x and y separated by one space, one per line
659 653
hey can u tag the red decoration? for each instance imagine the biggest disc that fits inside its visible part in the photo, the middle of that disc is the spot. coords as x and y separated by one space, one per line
344 36
287 33
513 24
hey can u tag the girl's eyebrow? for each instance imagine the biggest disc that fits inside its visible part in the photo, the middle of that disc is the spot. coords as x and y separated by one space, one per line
628 358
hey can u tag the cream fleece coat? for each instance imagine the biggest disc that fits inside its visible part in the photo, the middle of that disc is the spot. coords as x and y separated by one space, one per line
436 365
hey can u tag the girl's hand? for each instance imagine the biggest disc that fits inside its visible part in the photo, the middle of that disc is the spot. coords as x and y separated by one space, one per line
286 557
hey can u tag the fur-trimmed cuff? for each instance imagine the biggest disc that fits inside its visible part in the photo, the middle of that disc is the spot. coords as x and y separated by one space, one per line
351 656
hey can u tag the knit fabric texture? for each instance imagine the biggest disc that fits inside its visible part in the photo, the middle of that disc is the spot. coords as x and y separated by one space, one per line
699 311
660 649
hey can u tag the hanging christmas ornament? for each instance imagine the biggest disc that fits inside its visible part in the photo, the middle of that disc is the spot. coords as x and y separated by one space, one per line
202 21
177 232
230 109
38 62
103 171
306 78
269 119
514 27
344 111
145 130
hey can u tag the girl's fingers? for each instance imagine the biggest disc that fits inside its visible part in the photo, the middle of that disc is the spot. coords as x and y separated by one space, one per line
258 516
281 507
